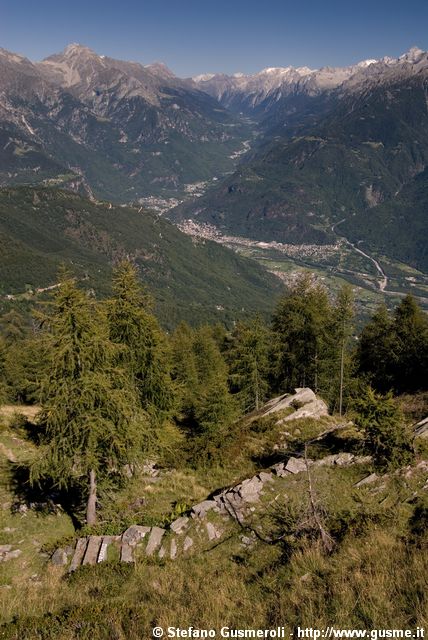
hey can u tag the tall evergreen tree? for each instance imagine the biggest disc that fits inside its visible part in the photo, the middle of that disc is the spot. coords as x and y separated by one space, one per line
249 363
207 407
383 425
411 334
393 350
300 327
89 409
342 328
144 349
376 352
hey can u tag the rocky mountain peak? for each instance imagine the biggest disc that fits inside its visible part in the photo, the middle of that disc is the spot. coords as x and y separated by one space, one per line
414 54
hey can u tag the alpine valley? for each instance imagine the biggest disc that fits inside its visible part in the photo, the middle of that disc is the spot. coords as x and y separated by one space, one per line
323 168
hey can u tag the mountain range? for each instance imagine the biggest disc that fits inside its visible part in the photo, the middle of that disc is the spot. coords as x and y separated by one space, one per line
335 144
113 129
284 155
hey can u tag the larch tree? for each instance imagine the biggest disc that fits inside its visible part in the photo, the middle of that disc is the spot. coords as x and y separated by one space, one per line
90 420
300 326
342 321
207 406
249 363
144 351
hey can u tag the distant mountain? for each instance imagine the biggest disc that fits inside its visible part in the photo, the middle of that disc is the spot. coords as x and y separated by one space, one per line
264 92
115 129
190 279
348 150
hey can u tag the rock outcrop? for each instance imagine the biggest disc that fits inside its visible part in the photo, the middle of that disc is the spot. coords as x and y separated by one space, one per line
303 402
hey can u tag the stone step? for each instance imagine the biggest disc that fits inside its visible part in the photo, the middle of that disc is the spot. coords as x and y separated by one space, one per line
155 540
127 552
79 552
106 542
92 550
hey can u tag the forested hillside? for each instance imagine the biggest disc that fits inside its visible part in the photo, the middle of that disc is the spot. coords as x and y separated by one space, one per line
194 280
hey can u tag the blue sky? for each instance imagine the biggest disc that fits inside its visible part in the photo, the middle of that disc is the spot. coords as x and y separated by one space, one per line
203 36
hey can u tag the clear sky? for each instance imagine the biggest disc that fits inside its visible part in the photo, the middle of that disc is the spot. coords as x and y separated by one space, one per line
196 36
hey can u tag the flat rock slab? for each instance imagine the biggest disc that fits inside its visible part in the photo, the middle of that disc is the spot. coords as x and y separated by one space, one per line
134 534
315 409
213 532
155 540
106 542
280 470
10 555
200 510
92 550
173 549
300 397
265 477
367 480
127 552
79 552
188 542
295 465
59 558
179 525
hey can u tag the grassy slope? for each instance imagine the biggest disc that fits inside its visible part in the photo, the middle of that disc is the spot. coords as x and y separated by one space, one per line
375 578
39 229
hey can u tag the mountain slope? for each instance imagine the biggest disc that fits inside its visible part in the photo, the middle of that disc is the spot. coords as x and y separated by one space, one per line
197 281
368 144
117 129
399 227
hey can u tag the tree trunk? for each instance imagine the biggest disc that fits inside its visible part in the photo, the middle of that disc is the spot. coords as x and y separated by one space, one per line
91 507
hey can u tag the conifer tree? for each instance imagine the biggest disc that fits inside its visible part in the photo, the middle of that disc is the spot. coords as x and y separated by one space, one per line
393 350
249 363
207 407
89 409
342 316
411 334
144 348
300 327
383 425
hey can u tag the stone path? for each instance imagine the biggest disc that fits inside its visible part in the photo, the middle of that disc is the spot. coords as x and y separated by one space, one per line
180 537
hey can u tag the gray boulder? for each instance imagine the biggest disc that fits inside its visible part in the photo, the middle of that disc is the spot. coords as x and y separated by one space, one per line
367 480
200 510
59 558
188 542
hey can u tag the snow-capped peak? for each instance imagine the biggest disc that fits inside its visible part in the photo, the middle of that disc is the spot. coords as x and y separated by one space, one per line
203 77
413 54
366 63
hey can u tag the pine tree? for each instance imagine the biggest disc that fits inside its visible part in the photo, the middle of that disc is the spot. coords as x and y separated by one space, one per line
144 348
89 409
393 351
411 333
207 407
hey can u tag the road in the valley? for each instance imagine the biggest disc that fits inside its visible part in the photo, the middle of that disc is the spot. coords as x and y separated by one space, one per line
383 282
